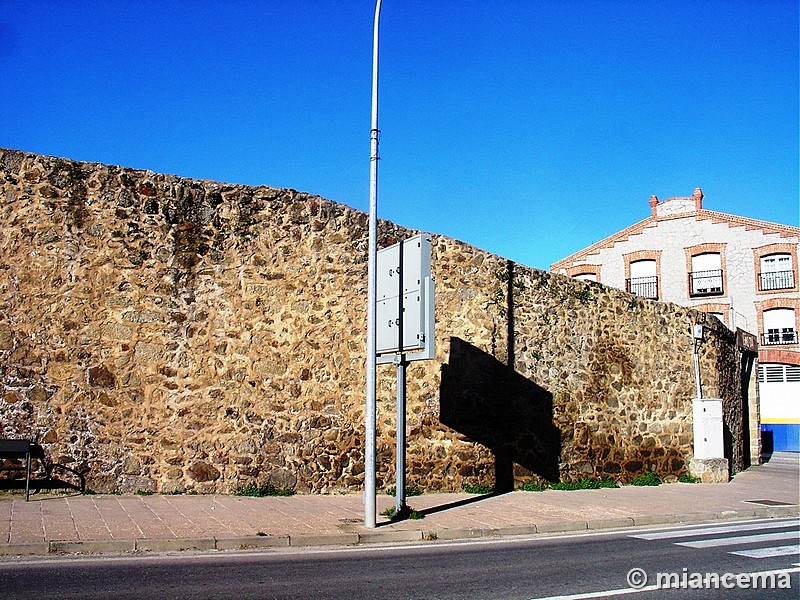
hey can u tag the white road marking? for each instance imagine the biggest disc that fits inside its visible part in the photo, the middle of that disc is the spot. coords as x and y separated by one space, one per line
666 535
769 552
741 539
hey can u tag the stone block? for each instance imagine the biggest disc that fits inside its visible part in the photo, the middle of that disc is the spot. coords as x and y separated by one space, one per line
709 470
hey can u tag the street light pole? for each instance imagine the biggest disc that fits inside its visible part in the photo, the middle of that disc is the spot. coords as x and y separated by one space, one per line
371 403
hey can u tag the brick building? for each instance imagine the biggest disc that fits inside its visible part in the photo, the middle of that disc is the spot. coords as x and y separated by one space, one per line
743 271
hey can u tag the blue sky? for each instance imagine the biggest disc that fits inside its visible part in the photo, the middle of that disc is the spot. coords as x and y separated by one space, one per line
528 128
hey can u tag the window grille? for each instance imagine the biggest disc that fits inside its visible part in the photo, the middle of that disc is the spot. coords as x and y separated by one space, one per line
646 287
706 283
777 373
779 336
776 280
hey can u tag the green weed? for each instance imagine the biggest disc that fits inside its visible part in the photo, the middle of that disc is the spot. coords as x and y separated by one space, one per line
260 491
584 484
411 490
405 513
647 479
478 488
532 486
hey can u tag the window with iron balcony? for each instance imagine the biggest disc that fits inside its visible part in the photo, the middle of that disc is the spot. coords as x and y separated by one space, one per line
642 278
706 277
776 273
706 283
646 287
780 336
779 327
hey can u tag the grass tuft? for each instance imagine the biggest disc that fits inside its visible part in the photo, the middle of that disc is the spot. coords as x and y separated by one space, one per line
411 490
647 479
584 484
532 486
405 513
260 491
478 488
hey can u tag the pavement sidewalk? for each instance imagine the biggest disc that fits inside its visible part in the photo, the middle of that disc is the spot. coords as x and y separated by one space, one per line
111 524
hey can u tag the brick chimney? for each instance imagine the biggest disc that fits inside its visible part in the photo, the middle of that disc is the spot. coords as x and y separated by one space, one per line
653 204
698 199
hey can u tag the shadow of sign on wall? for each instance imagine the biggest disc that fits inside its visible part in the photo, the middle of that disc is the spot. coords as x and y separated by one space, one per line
490 403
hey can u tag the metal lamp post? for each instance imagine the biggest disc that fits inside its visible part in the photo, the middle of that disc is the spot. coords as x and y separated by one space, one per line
371 403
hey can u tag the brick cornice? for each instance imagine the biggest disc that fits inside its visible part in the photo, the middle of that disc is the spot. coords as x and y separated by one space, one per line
608 242
722 308
584 269
785 231
770 303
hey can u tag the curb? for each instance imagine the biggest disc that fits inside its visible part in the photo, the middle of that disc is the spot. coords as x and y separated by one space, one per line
399 535
92 547
176 545
330 539
253 542
34 549
89 547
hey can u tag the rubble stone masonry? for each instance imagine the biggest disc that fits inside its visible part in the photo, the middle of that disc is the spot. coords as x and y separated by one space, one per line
174 335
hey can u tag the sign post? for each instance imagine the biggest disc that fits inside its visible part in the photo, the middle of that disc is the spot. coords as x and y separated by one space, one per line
405 326
400 451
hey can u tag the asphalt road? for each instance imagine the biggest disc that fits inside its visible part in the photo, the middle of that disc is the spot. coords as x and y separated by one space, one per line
575 566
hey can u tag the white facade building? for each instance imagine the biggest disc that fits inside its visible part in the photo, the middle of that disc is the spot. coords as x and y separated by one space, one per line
742 270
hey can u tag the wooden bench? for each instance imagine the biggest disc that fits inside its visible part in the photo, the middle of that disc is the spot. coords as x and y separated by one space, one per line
28 451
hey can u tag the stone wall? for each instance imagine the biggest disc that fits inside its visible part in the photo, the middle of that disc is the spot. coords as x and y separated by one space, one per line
172 334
